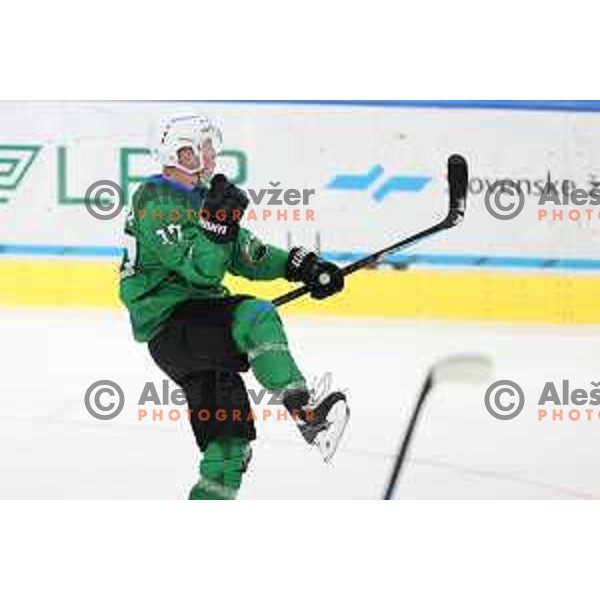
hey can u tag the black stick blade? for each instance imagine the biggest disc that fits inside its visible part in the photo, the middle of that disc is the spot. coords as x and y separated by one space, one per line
458 181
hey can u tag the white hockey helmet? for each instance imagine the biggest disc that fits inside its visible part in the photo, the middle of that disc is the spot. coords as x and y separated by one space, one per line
186 131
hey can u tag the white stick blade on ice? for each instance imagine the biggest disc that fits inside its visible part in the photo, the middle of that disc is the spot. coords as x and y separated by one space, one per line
474 369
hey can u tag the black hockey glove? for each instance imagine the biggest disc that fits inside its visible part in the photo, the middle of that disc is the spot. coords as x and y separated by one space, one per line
223 210
321 277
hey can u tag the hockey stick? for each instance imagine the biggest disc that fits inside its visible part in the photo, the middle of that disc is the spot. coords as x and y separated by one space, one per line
458 177
474 369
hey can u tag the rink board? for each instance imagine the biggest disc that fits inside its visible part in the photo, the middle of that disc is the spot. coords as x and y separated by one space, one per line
377 171
427 293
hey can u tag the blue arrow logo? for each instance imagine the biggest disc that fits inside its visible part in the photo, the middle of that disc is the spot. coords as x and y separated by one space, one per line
396 183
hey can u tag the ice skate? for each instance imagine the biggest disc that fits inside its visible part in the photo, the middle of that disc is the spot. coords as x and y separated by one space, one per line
321 421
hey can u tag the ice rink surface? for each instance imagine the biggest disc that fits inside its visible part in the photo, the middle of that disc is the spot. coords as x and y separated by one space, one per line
51 447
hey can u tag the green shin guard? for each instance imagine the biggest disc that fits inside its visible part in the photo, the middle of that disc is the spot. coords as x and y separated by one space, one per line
221 468
258 332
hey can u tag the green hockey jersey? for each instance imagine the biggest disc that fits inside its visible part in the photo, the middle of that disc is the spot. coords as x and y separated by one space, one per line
168 259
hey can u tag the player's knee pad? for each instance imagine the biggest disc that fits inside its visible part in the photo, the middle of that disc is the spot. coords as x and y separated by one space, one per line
255 322
259 332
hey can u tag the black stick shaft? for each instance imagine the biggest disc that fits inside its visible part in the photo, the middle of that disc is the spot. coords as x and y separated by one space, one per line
368 260
401 456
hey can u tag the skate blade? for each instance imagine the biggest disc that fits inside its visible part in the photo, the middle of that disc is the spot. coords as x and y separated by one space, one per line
327 441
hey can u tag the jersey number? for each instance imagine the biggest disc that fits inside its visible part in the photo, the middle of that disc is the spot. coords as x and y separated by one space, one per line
171 234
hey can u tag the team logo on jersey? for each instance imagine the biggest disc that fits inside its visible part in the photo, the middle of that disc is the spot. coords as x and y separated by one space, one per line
15 161
253 250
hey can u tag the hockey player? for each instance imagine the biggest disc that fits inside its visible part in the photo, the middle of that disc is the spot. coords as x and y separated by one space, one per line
184 235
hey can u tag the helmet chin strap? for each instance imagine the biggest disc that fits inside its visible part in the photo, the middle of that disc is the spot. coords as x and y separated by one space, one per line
195 171
187 171
204 177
